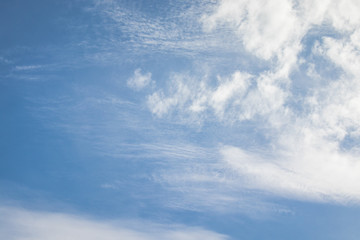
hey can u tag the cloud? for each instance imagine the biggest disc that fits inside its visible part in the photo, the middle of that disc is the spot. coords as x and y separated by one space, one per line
275 30
312 136
138 81
5 60
179 35
314 155
309 139
27 67
264 30
17 223
238 97
209 185
312 173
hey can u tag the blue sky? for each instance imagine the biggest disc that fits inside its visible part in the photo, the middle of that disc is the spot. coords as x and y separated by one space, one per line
140 120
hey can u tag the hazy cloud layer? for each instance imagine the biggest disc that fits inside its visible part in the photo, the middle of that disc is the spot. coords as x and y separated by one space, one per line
17 223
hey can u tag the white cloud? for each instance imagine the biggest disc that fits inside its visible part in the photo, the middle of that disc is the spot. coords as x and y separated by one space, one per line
305 157
312 170
181 94
236 86
27 67
344 14
138 81
17 223
238 97
274 30
313 147
343 52
266 27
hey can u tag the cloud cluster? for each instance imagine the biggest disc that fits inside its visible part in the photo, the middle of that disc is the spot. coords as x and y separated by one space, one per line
297 81
313 151
235 98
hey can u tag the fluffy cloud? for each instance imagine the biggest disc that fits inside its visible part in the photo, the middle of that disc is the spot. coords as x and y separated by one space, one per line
234 98
138 81
266 27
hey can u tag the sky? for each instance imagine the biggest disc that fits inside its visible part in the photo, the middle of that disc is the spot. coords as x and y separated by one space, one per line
181 120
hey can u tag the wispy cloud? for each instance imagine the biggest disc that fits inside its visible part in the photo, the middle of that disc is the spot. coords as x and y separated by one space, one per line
27 67
209 185
5 60
175 31
17 223
180 174
138 81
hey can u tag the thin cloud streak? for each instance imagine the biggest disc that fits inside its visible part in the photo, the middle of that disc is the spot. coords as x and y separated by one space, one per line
17 223
177 33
